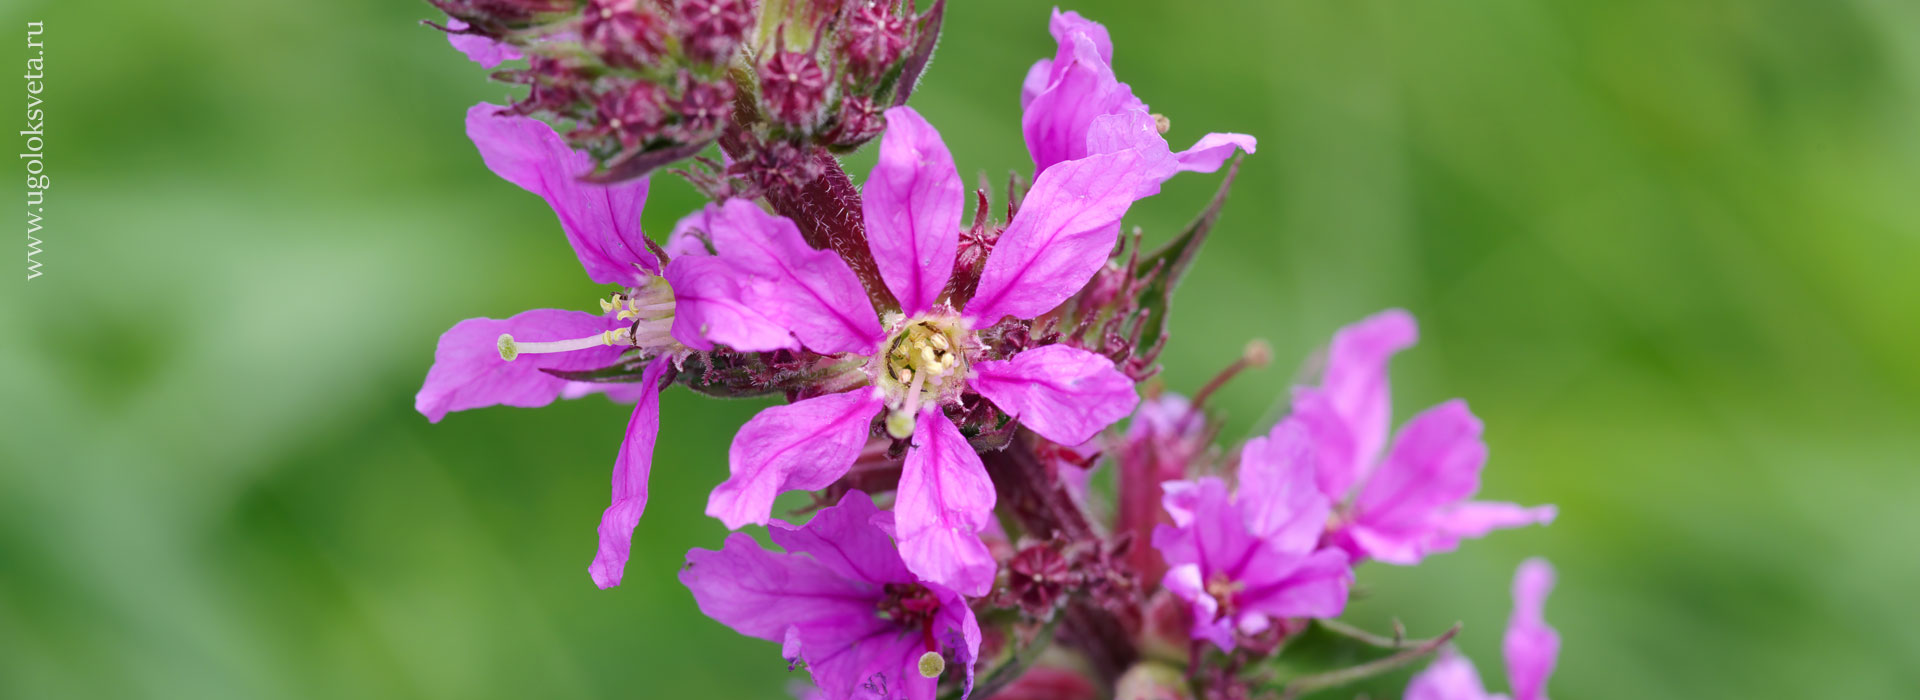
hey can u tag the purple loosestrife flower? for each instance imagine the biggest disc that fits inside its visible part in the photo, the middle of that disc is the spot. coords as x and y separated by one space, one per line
841 600
485 362
1531 648
918 362
1243 562
1074 106
1412 502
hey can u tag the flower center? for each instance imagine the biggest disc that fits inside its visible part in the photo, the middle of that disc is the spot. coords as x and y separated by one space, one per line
1223 590
923 362
912 606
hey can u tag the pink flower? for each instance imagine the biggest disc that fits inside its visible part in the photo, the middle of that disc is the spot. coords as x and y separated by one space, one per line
916 363
841 600
1075 106
1413 502
1531 649
1244 563
485 362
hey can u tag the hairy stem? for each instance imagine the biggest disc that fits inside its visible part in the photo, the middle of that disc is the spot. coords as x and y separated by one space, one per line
1043 508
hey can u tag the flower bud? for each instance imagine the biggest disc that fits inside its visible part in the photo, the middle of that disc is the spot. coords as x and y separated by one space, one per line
792 88
633 112
623 33
710 30
703 108
872 39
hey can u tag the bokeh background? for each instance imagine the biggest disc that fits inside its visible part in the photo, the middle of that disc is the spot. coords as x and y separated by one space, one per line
1669 250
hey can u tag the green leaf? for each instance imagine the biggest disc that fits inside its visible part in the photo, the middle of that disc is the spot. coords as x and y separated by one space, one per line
1169 264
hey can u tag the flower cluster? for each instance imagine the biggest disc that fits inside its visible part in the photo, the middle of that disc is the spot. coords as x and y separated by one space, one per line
644 83
970 377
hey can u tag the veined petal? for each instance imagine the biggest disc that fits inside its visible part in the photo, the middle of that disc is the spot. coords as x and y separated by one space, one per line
630 471
1065 25
1356 376
1315 587
799 446
479 49
1081 89
945 499
602 222
962 634
762 594
1065 394
843 538
1063 233
1450 677
1531 647
1213 150
1277 491
712 305
1336 466
1036 81
811 292
468 373
1434 464
912 207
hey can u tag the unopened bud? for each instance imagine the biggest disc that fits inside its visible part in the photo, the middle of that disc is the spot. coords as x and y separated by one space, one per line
931 664
710 30
794 87
623 33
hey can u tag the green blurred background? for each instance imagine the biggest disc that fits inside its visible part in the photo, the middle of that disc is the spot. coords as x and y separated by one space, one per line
1666 248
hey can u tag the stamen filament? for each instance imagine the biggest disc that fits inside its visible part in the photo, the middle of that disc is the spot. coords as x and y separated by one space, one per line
510 348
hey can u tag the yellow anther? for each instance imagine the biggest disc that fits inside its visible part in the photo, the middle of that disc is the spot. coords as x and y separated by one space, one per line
931 664
905 375
927 356
1161 123
939 341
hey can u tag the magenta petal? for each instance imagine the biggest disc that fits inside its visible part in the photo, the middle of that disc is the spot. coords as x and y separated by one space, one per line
1450 677
799 446
1063 233
945 500
811 292
630 471
1317 587
689 236
1065 25
1531 646
1475 519
711 305
1336 466
912 207
602 222
843 538
479 49
468 373
1277 490
1356 376
1065 394
1212 151
762 594
1082 88
1435 462
1036 81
